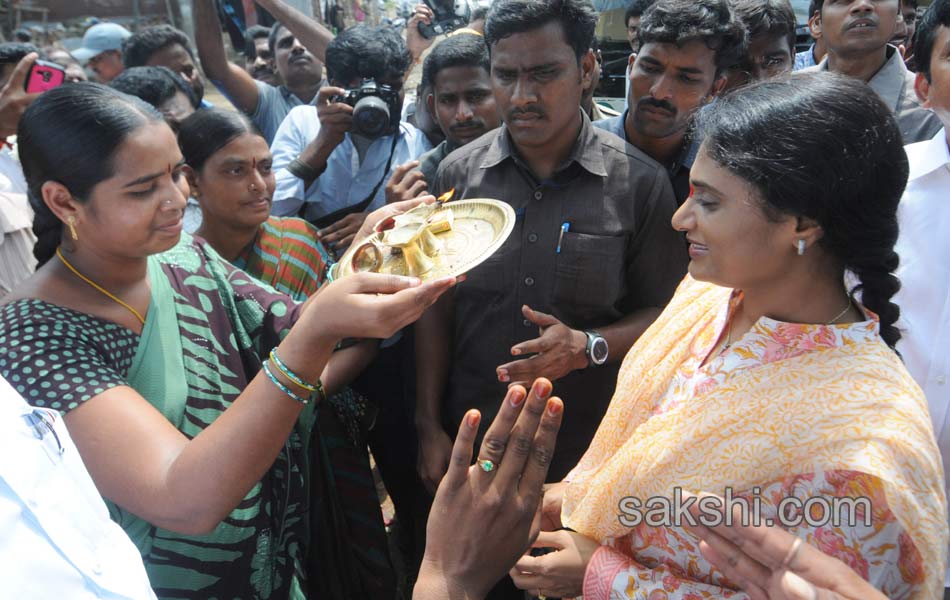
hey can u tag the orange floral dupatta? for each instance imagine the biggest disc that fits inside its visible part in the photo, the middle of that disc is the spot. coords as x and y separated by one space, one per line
827 406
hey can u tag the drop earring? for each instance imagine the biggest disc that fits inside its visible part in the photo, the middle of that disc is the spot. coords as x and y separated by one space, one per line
801 247
71 221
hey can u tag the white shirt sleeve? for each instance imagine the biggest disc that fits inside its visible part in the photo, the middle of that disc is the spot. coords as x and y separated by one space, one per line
298 129
57 539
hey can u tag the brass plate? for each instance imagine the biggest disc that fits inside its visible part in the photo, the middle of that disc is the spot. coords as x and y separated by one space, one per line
479 229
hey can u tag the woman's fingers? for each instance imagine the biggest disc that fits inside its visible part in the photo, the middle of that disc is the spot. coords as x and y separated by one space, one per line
753 555
496 438
378 283
521 441
457 472
725 563
552 539
406 306
429 292
404 205
741 567
542 450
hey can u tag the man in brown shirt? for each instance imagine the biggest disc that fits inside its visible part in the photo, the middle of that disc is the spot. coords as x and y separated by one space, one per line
592 254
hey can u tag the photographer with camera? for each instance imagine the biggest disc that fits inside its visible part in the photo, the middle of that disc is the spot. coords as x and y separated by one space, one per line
332 162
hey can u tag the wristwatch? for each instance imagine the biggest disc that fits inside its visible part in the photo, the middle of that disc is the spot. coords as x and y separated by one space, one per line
597 350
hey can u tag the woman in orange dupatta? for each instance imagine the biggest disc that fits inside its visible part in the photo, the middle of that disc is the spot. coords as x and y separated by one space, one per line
764 376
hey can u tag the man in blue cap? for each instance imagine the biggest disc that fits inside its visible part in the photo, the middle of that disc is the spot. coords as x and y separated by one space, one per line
102 50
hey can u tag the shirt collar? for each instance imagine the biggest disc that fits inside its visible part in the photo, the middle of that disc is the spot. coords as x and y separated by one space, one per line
684 158
890 81
585 152
933 155
290 96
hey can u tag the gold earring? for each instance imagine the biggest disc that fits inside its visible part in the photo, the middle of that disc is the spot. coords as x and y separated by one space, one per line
71 221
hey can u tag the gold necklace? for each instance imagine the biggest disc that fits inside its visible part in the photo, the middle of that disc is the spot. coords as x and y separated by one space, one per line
831 322
99 287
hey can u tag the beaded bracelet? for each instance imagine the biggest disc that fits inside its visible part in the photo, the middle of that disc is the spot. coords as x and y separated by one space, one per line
318 387
284 388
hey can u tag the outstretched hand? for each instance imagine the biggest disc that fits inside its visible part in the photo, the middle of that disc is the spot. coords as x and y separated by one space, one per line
339 235
481 518
556 352
560 573
406 183
390 210
770 563
371 305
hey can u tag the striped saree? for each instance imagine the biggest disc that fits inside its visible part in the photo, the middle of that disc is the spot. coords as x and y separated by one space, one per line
288 256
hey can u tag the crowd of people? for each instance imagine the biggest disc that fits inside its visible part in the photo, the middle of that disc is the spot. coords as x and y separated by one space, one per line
735 288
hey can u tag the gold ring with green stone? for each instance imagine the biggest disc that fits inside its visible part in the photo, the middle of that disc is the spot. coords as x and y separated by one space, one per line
486 465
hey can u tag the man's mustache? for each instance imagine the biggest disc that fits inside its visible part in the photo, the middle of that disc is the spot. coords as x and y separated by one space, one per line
467 126
660 104
536 111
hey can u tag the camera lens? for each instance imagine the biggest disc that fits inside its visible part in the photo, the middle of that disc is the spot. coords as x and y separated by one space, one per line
371 116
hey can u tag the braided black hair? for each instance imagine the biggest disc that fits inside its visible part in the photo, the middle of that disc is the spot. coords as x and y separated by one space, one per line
848 174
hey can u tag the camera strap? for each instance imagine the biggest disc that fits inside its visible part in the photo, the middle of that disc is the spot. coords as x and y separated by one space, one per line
336 215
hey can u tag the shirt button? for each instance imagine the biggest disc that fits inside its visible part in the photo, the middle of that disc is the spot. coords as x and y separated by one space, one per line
529 281
537 195
97 568
532 237
941 380
526 323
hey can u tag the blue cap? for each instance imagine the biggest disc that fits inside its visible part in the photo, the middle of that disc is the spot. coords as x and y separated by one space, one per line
98 39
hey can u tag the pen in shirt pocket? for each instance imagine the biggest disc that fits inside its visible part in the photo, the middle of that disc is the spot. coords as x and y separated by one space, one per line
565 227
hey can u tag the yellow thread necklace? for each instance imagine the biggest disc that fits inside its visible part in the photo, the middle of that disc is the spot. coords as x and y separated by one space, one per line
99 287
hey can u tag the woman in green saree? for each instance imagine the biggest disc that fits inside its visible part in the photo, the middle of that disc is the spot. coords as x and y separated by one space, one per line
228 168
186 385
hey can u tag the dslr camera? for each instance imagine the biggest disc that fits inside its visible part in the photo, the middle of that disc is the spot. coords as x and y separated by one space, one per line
376 108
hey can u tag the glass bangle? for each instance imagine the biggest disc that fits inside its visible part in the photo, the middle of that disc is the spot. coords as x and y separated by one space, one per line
282 387
293 376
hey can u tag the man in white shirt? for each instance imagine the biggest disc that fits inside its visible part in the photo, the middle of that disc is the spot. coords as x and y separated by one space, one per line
329 165
58 540
924 242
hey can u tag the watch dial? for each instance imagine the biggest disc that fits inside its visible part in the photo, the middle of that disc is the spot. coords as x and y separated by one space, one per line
599 351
